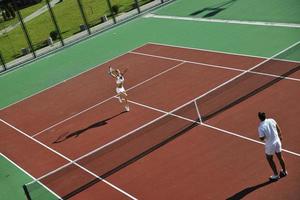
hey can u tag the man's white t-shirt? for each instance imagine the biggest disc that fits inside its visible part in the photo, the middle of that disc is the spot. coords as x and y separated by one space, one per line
267 129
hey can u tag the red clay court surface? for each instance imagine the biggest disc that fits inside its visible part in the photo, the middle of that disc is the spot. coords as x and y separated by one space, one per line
219 159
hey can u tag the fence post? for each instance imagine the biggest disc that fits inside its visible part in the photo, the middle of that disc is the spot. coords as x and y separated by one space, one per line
137 6
2 61
24 30
83 16
111 11
55 23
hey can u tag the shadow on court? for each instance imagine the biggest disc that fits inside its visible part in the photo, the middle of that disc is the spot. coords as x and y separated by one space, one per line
103 174
75 134
248 190
215 9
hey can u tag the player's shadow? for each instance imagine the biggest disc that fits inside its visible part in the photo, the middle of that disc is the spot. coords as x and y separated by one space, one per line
127 146
214 10
75 134
248 190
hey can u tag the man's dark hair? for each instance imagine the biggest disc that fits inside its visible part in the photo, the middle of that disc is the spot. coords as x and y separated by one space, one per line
262 116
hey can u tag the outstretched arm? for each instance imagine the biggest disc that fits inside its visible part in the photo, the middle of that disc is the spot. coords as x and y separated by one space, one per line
112 72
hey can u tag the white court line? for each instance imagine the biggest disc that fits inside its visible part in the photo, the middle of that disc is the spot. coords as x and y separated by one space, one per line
255 23
216 66
68 159
32 177
87 109
215 51
207 125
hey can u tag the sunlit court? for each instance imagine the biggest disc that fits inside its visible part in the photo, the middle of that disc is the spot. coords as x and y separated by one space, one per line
157 118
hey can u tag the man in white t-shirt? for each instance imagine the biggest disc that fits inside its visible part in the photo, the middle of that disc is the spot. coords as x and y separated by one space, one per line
269 132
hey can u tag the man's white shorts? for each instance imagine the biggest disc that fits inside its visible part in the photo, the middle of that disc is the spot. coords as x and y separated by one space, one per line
273 148
120 90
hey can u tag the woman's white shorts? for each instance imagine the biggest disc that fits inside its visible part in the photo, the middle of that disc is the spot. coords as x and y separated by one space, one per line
120 90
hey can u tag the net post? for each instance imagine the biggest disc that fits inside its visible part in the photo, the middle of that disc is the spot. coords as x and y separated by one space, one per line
198 112
26 192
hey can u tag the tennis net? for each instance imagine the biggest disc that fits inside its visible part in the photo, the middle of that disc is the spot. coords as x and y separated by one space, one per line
85 171
249 83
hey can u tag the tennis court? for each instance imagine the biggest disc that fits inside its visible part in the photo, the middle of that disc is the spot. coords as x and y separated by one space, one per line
191 132
179 126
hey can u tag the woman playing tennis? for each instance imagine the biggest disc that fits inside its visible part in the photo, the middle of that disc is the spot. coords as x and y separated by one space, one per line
121 92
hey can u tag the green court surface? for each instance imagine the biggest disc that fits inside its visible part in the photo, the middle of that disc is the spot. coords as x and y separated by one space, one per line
255 10
11 180
264 41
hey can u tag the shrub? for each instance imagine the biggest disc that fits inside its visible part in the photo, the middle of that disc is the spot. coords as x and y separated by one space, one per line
115 9
54 35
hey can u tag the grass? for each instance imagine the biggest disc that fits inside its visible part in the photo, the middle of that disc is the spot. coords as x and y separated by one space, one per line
68 18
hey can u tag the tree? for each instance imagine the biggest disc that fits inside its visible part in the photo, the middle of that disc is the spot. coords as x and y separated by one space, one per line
115 9
7 8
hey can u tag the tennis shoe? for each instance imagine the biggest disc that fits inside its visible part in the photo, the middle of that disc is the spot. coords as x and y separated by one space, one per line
283 173
274 177
127 108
